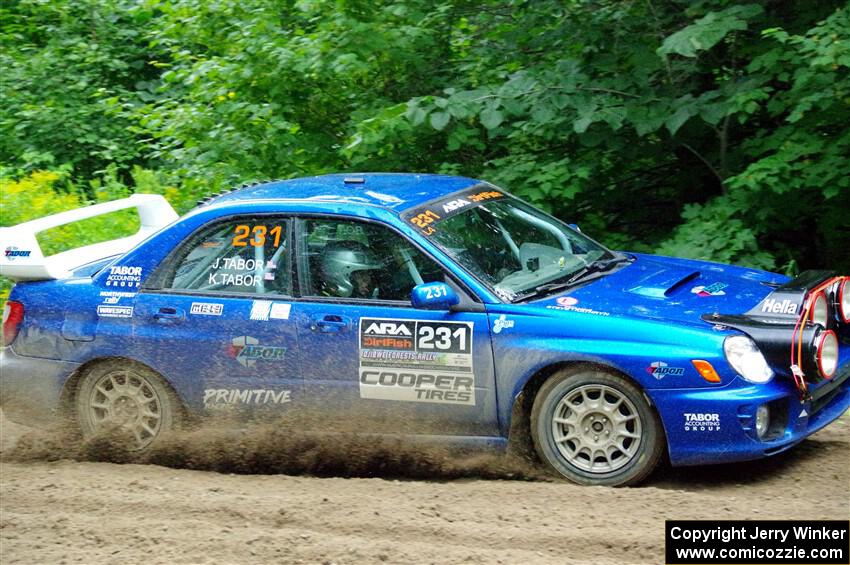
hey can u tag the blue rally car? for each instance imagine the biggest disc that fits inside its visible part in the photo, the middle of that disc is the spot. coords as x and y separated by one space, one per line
468 315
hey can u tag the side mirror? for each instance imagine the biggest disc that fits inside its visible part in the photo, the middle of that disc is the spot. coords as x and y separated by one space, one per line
575 227
433 296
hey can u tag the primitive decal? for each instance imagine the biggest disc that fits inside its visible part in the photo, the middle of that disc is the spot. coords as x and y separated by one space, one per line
416 361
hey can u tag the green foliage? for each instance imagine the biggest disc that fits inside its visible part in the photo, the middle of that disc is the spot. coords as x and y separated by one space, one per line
683 127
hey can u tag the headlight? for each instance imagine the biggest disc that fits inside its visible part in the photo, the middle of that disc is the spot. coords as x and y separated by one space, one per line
745 357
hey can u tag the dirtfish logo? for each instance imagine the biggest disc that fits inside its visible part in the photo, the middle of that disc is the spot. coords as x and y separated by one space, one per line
660 369
247 351
14 252
502 323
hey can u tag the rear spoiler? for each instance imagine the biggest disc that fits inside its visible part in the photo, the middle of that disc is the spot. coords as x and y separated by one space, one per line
21 257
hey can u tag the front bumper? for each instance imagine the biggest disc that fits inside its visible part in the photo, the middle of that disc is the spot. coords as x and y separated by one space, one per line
31 388
706 426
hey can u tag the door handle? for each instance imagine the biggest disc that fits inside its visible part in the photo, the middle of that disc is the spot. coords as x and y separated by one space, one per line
330 324
169 315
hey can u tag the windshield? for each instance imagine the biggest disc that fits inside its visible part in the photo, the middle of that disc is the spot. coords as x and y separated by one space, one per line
510 246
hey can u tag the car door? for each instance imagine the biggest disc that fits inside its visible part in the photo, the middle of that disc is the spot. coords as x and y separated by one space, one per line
371 358
218 324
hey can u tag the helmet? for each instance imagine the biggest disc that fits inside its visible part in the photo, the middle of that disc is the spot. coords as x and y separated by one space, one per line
340 260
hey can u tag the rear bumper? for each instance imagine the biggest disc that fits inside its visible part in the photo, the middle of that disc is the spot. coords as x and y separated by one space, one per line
707 426
31 388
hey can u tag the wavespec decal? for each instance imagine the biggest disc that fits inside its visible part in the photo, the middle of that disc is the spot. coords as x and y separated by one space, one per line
105 311
702 422
247 351
774 306
263 310
714 289
206 308
13 253
416 361
219 397
502 323
124 276
660 369
568 303
425 218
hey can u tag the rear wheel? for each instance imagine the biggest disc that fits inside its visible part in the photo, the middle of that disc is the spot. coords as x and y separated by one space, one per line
595 427
126 397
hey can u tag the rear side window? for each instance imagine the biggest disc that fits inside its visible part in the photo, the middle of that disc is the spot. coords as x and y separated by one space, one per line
350 259
248 255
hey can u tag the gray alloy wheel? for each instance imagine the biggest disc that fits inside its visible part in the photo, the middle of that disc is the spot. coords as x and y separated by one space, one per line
595 427
126 396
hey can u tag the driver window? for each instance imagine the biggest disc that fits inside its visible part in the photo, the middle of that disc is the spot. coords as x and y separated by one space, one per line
347 259
246 255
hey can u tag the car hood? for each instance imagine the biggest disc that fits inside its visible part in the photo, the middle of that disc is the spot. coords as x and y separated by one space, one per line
669 289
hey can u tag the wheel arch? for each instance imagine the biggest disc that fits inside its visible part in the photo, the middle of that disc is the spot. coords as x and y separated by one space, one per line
519 434
69 390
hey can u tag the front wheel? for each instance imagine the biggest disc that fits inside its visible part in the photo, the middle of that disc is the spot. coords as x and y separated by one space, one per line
595 427
121 395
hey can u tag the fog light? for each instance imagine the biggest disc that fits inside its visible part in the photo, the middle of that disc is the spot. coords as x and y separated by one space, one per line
762 420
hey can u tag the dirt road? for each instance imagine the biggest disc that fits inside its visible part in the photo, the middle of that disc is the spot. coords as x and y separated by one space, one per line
73 511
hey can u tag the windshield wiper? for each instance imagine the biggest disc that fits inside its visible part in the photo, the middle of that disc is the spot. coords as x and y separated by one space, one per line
598 266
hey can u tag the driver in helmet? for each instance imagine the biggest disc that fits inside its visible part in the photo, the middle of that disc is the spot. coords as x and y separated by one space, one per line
349 271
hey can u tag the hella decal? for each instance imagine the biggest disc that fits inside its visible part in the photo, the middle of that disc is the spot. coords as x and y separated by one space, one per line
774 306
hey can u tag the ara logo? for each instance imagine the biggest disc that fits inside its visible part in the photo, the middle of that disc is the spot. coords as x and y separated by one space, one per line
247 351
714 289
13 252
660 369
566 301
774 306
388 328
502 323
454 205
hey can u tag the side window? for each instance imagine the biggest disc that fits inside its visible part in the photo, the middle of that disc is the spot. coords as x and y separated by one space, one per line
249 255
347 259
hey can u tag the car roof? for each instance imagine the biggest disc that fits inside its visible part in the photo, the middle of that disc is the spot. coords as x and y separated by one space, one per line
396 191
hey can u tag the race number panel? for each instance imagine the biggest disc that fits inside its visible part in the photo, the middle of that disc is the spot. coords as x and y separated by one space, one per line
416 361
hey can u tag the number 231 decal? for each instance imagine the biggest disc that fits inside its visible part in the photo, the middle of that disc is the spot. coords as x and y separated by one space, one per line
258 235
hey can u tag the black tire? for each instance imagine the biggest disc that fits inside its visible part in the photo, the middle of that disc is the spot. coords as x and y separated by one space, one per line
127 397
629 439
